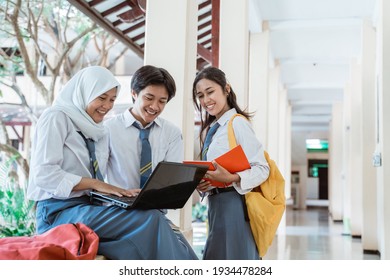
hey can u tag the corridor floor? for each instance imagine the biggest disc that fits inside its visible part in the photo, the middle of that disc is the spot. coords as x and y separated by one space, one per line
304 235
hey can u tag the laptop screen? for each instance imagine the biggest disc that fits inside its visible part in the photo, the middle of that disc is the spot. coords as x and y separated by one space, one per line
170 185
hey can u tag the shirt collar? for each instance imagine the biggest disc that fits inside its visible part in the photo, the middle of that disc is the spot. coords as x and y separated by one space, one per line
129 119
226 116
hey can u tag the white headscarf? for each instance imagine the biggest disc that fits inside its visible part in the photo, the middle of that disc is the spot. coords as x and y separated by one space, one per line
82 88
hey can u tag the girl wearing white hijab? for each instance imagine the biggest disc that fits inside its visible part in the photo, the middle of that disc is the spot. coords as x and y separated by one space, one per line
60 176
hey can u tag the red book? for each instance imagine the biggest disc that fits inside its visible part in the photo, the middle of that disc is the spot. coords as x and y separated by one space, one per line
233 161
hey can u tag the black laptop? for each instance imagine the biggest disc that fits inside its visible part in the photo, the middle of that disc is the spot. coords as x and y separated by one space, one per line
168 187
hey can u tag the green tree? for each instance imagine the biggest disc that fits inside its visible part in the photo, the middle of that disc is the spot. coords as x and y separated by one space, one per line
37 37
50 36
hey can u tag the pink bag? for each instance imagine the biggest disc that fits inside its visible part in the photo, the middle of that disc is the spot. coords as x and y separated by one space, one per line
64 242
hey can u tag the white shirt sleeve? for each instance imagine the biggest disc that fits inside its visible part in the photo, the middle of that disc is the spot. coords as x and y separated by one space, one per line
58 160
252 147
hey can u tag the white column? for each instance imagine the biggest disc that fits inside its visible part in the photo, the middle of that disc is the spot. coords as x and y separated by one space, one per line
120 66
273 112
171 32
383 117
287 154
335 162
234 46
355 155
346 171
281 140
258 103
369 232
258 83
286 172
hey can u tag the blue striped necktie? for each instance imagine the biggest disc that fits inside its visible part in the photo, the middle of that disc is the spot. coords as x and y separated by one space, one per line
207 142
146 154
94 166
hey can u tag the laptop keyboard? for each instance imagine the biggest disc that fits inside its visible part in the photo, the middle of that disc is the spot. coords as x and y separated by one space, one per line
125 199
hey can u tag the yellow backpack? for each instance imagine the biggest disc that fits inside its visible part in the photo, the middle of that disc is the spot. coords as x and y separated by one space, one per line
265 203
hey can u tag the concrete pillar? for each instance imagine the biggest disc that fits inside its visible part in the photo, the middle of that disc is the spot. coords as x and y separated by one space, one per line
120 66
336 162
299 164
273 112
282 135
258 103
369 231
287 154
346 171
173 34
258 83
383 129
234 46
355 155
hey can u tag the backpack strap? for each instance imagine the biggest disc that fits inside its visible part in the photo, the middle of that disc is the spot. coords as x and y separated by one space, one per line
231 136
232 144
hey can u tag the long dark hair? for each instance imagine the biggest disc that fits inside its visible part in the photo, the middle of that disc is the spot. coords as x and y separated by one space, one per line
218 76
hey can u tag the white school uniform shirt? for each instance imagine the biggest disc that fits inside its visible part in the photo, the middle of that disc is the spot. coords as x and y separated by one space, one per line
165 139
253 149
60 158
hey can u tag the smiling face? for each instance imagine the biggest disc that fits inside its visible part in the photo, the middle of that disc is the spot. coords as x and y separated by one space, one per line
149 103
212 97
101 105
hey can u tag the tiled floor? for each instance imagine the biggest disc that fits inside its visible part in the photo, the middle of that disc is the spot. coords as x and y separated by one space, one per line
304 235
199 237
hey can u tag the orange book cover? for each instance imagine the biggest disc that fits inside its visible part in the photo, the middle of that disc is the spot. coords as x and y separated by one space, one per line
233 161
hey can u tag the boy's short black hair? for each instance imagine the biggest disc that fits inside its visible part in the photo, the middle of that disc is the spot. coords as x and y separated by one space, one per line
150 75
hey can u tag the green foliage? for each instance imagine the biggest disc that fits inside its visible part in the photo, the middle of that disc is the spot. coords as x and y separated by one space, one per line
11 65
63 13
16 212
199 212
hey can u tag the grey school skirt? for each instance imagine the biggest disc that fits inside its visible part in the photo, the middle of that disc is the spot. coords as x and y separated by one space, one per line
230 236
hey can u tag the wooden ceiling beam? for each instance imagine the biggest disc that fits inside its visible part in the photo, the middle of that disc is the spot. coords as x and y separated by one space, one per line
95 2
204 34
115 9
210 55
201 63
208 41
204 25
131 15
212 16
216 7
204 4
134 14
138 37
117 22
203 16
134 27
105 24
204 53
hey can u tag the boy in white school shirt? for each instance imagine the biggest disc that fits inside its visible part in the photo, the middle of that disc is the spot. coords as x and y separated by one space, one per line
151 90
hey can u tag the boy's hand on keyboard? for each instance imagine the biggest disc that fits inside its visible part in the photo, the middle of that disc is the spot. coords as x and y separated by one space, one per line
111 189
129 193
134 192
